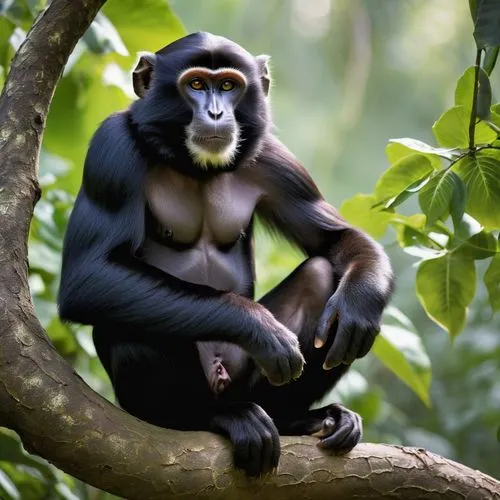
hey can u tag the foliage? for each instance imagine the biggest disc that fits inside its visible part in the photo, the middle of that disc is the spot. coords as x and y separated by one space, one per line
458 189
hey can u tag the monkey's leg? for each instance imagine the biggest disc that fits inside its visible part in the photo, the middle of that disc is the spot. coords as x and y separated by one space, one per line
298 302
156 382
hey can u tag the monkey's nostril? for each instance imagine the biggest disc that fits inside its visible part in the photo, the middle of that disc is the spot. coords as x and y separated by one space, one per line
216 115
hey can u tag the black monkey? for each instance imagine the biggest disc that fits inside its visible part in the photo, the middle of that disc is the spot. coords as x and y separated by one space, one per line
158 257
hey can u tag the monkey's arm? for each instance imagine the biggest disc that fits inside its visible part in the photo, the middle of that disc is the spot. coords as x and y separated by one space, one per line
103 282
294 206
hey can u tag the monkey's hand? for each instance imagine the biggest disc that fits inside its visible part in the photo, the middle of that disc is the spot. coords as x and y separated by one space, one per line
352 316
340 430
277 353
276 350
254 437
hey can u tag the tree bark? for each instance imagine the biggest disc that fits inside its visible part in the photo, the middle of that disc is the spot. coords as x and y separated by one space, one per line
61 419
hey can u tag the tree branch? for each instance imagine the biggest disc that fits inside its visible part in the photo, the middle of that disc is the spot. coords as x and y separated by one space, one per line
60 418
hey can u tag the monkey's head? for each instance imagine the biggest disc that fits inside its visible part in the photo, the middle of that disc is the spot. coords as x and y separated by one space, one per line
203 102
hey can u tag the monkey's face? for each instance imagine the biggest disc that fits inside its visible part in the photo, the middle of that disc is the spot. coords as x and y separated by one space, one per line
213 136
203 102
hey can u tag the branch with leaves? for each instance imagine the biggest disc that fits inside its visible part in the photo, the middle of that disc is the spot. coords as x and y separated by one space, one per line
458 188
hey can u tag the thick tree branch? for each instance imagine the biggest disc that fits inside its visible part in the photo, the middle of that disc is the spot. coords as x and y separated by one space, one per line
60 418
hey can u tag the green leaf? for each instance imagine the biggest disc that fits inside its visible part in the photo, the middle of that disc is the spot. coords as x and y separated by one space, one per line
467 228
464 93
483 96
436 196
11 450
452 129
102 37
410 230
144 25
481 176
402 351
480 246
464 90
445 288
458 200
473 10
487 23
44 258
81 102
6 29
402 175
492 282
359 212
407 193
408 146
490 59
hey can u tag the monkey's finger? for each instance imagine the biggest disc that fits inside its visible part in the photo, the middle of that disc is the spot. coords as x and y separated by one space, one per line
367 342
297 362
270 444
275 440
281 372
339 347
326 429
354 345
270 449
325 323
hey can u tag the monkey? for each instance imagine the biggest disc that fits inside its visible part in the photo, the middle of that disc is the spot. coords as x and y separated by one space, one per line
159 258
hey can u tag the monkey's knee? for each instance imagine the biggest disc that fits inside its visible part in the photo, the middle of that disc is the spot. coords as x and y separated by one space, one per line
318 280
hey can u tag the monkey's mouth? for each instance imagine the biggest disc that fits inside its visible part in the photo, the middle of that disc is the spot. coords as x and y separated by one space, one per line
213 143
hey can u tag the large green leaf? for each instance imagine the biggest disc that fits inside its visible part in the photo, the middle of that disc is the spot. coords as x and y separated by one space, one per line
402 175
402 351
144 25
481 176
446 287
452 129
487 23
492 282
436 196
359 212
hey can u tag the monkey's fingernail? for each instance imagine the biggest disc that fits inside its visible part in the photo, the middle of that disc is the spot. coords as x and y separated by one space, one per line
318 343
329 422
331 365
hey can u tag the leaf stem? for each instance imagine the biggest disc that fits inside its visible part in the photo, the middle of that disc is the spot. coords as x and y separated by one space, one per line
473 114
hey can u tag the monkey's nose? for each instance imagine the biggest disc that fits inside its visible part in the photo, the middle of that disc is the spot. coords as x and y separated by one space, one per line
215 115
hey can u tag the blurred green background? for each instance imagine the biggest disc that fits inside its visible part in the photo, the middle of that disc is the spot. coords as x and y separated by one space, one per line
348 75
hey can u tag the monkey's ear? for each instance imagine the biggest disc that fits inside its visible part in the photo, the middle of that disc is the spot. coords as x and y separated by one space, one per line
143 73
265 73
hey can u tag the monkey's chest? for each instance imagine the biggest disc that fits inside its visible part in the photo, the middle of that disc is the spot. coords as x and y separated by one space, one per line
192 212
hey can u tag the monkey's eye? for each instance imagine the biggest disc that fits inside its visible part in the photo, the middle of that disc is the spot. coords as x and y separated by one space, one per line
197 84
227 85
